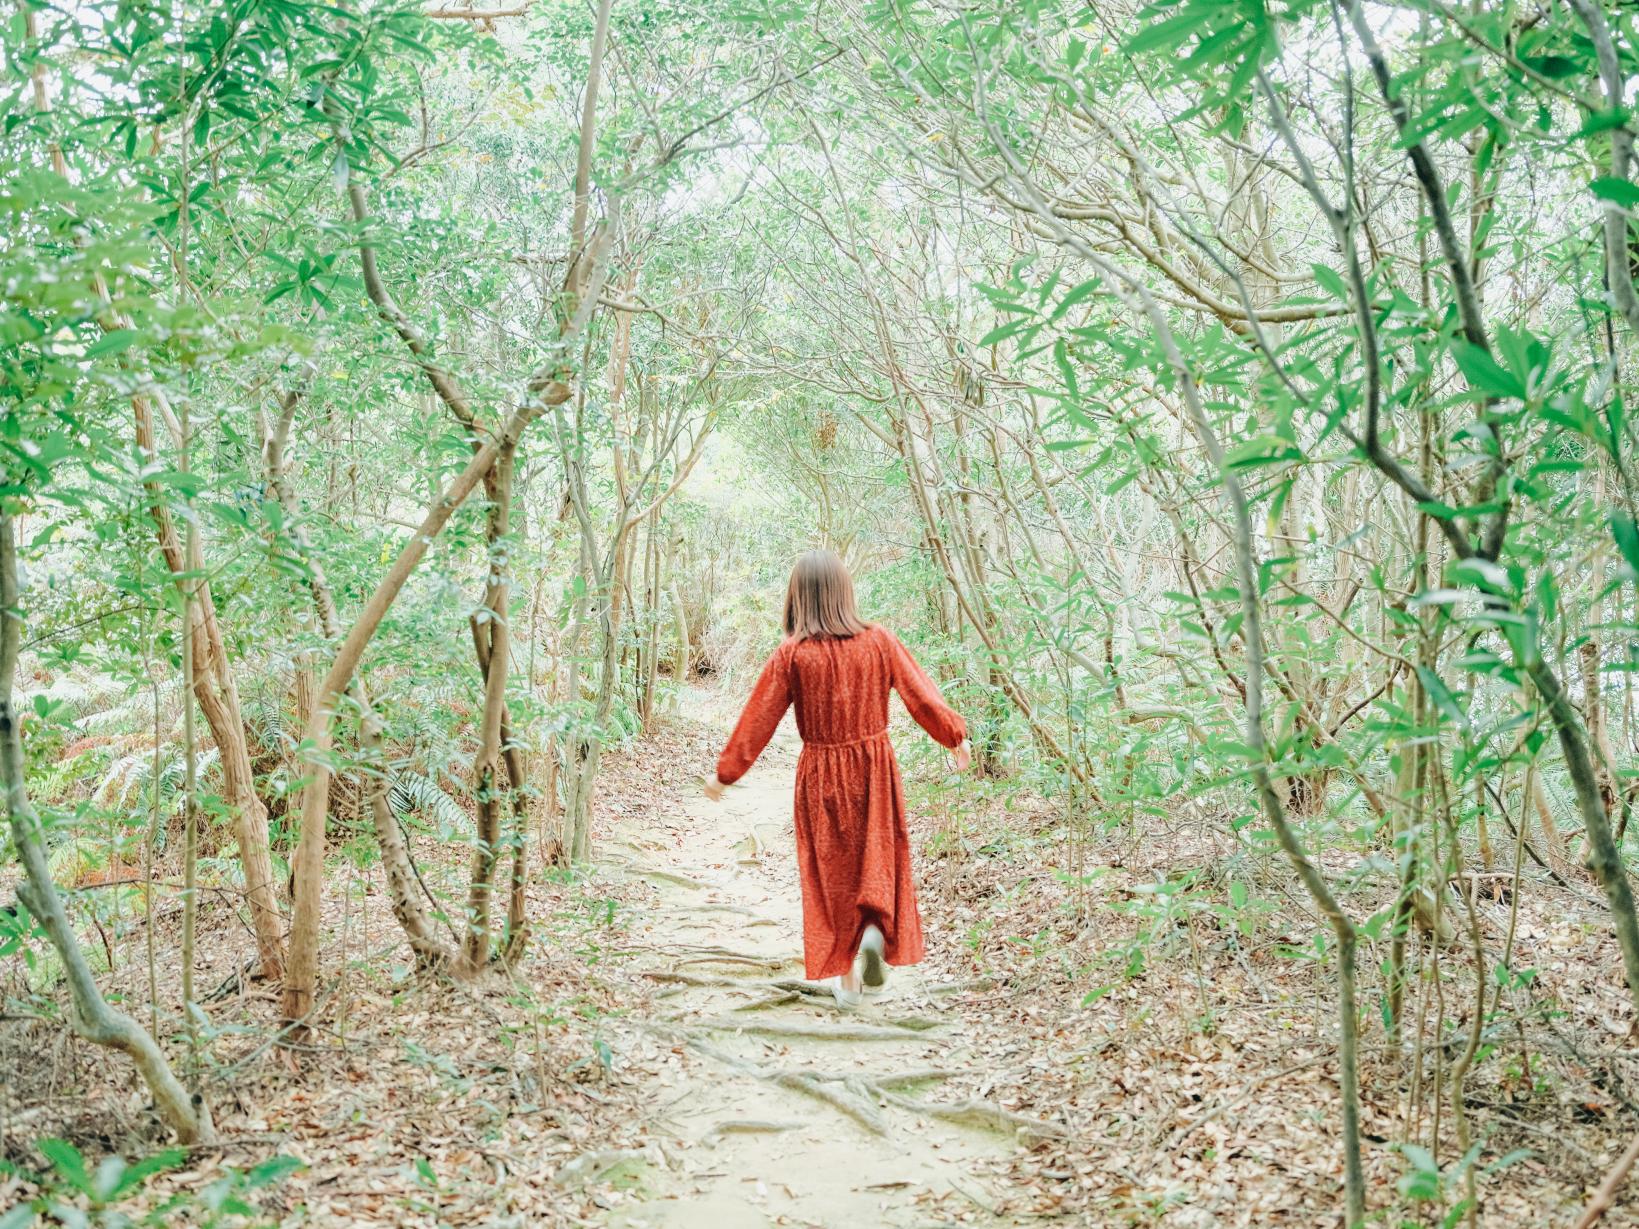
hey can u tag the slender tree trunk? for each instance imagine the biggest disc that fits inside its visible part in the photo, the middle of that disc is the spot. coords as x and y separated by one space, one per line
190 783
90 1015
1604 859
1590 656
491 642
218 698
652 580
683 662
1554 844
403 883
589 746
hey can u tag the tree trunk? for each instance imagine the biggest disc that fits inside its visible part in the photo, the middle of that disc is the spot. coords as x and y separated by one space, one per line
90 1015
651 621
218 698
582 770
491 635
1604 859
396 860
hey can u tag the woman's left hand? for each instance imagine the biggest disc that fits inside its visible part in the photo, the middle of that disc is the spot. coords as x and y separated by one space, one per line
963 755
714 788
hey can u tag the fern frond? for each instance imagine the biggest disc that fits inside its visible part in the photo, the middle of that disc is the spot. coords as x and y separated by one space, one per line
413 793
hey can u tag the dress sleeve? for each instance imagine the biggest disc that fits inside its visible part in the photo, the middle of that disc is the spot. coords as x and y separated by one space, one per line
922 699
769 700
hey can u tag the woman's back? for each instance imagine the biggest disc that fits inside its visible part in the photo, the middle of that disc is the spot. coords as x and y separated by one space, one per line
839 686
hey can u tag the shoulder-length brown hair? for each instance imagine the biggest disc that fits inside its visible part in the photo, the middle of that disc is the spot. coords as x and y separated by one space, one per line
819 602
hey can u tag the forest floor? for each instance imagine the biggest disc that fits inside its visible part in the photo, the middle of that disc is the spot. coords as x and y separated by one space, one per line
657 1061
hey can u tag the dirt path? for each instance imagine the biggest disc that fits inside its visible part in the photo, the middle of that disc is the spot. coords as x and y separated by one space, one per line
783 1110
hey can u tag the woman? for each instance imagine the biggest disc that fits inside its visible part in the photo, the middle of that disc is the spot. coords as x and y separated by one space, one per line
858 901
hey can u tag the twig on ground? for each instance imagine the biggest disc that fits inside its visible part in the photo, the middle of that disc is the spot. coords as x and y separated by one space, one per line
1605 1197
590 1166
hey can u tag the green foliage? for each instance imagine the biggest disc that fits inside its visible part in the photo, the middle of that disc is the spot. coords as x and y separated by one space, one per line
114 1194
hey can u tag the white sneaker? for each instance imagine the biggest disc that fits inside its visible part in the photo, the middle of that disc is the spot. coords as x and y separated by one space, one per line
847 1000
874 975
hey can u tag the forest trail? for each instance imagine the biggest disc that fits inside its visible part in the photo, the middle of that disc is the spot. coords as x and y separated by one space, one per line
770 1115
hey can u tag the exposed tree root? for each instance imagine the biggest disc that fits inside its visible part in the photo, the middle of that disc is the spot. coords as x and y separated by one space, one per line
750 962
740 910
815 1032
859 1110
914 1024
723 955
751 1126
907 1079
782 999
731 954
782 992
699 979
651 872
978 1113
857 1096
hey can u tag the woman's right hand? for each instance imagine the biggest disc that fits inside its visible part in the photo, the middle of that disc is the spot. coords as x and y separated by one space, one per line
963 755
714 788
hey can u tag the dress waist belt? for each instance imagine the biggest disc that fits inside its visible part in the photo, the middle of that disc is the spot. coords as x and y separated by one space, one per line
847 742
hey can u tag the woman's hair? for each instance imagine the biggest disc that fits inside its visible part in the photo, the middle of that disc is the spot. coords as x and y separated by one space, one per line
819 602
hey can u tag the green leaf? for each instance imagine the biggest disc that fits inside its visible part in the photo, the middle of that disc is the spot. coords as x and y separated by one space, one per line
274 1169
1486 575
1080 293
1443 699
1438 509
1555 67
105 1183
1484 374
138 1172
65 1158
1623 191
1004 331
1331 282
1262 450
1603 121
1423 1182
111 342
1626 534
1165 34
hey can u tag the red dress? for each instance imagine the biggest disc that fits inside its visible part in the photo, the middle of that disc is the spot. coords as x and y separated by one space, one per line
853 850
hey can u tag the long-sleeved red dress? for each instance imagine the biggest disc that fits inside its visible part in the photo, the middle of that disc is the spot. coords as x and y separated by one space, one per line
853 850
